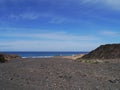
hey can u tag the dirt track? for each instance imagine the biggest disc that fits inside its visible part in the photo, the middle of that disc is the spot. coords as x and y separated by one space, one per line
58 74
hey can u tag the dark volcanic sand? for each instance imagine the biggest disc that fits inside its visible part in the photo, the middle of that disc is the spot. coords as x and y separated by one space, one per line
58 74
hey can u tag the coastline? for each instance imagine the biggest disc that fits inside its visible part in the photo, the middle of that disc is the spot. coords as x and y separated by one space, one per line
47 54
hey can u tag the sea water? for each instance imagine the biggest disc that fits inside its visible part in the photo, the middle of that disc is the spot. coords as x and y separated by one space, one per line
43 54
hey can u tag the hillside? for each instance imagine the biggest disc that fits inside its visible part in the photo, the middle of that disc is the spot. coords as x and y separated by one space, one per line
108 51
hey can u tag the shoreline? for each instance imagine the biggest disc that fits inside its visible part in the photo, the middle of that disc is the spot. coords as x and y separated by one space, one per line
74 57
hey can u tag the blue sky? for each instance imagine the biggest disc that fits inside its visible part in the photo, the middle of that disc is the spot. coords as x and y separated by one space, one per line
58 25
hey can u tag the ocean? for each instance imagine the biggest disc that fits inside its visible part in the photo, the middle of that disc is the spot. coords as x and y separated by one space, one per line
43 54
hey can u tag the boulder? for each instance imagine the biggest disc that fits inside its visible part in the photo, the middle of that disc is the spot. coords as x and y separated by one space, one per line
108 51
7 57
2 59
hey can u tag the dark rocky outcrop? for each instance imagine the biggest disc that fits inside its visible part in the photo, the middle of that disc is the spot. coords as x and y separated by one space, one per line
108 51
2 59
7 57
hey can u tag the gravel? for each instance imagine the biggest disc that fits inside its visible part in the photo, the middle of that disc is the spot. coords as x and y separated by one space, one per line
58 74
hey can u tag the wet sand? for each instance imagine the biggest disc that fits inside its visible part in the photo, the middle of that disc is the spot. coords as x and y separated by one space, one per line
58 74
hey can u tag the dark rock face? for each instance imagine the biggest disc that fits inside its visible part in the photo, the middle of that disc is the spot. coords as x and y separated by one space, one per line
6 57
108 51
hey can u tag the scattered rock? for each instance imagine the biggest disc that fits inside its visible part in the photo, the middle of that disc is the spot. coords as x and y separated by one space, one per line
114 81
58 74
65 76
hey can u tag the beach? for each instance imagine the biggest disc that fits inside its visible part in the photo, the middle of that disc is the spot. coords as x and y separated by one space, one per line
58 74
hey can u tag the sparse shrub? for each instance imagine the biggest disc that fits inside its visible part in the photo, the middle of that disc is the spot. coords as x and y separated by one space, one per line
90 61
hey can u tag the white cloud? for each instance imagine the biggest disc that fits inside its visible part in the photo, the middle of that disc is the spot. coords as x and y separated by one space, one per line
60 36
52 18
58 20
45 40
111 3
36 45
30 15
110 33
114 4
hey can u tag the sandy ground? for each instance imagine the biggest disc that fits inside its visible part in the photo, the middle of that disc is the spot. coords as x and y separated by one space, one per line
74 57
58 74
